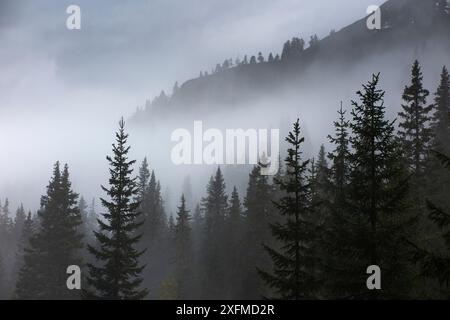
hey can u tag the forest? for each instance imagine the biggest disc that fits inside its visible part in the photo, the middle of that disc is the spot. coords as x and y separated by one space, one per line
379 197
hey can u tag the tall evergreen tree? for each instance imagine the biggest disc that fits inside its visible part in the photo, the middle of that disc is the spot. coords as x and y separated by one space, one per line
19 221
118 274
234 248
414 133
22 244
154 230
183 244
259 213
377 200
214 206
440 124
293 276
434 262
438 179
335 229
55 245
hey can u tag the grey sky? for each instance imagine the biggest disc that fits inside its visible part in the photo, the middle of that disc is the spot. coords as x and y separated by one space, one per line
143 46
62 91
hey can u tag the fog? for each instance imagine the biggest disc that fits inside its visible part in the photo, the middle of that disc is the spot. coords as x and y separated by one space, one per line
62 92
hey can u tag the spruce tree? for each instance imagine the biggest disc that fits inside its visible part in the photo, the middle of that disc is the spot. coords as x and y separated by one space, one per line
22 244
294 275
214 206
438 179
440 124
414 132
117 275
259 213
235 250
433 258
335 229
183 248
154 230
55 245
377 200
19 221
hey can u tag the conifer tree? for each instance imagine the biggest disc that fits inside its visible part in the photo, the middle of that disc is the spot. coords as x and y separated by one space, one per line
440 124
183 244
55 245
286 50
259 213
198 228
154 230
435 263
22 244
414 133
234 247
117 275
19 221
214 206
293 276
438 179
335 229
377 200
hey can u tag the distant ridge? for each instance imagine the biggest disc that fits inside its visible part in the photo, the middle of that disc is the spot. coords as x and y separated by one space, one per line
407 25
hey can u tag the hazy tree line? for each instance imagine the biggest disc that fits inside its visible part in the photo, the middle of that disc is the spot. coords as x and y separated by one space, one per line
379 197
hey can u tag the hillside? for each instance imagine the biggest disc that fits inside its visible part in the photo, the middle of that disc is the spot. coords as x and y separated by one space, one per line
412 27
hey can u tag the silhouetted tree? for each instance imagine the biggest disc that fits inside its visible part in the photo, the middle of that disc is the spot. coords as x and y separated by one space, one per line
117 276
55 245
294 275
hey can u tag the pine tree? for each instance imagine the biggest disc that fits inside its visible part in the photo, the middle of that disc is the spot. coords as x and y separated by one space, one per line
340 156
293 276
335 228
183 243
286 50
259 213
438 179
154 230
22 244
414 133
19 221
6 243
234 248
440 125
198 228
118 275
55 245
435 263
320 183
377 200
214 206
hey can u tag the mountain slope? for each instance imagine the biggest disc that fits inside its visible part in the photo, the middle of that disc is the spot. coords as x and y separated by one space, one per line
412 28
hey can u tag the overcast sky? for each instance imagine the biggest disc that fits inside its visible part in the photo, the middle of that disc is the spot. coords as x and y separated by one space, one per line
140 47
62 91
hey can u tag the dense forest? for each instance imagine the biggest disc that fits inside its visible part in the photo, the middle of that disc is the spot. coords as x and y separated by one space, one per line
379 197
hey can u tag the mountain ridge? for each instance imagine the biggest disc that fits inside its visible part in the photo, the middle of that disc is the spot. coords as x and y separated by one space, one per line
407 25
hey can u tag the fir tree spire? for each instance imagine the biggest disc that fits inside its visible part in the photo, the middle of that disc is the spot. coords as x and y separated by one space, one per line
117 275
293 276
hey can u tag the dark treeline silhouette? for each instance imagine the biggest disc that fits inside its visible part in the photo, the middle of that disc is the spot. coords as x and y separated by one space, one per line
379 197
